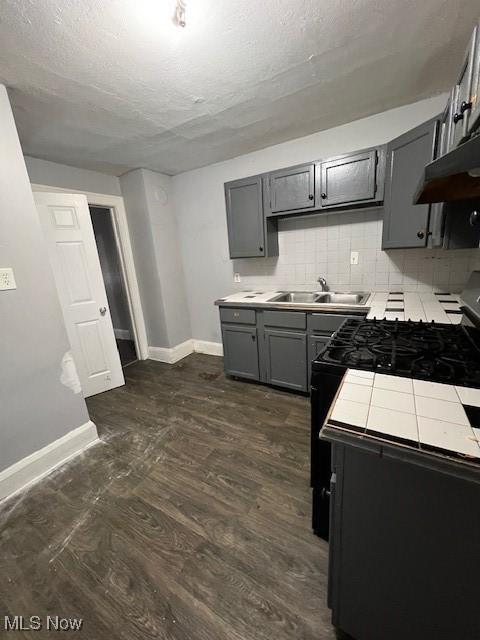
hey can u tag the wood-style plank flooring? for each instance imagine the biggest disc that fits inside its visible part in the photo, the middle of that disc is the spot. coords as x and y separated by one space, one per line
190 520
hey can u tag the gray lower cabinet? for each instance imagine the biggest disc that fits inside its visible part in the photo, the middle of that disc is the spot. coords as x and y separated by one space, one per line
406 225
293 189
275 346
390 543
286 353
352 179
240 351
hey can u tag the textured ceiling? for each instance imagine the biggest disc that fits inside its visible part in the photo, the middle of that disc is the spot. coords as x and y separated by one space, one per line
113 85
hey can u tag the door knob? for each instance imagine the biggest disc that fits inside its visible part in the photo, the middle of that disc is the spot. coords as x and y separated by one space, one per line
465 106
421 234
324 195
103 311
457 117
474 218
310 197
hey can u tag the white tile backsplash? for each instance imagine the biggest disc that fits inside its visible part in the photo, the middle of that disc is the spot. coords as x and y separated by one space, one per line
320 245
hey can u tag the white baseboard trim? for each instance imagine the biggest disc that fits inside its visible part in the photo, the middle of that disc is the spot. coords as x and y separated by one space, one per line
170 356
122 334
210 348
42 462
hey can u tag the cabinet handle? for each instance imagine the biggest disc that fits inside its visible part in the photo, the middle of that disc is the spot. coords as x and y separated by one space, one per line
421 234
457 117
253 338
324 195
260 248
310 197
465 106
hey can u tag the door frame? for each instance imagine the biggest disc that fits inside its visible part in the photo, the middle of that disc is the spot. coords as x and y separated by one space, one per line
118 215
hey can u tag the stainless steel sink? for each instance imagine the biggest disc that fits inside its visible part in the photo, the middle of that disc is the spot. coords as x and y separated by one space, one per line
342 298
321 297
297 296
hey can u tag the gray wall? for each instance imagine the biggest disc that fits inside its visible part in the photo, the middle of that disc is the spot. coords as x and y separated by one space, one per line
65 177
156 254
163 224
111 268
200 207
35 408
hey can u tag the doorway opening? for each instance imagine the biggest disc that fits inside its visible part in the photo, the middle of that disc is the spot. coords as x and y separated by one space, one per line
110 263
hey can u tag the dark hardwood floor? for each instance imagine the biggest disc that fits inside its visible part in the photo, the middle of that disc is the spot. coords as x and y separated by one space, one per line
189 521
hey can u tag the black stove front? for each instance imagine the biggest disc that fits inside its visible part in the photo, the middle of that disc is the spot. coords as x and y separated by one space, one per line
430 351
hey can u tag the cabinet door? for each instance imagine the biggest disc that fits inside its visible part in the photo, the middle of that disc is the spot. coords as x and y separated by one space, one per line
240 351
349 179
286 359
463 94
293 188
445 128
406 225
244 202
472 116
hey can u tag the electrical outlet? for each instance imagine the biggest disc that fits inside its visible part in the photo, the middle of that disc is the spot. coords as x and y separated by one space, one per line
353 257
7 279
236 277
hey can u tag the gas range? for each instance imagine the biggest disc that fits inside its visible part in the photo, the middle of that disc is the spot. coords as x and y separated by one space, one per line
429 351
445 353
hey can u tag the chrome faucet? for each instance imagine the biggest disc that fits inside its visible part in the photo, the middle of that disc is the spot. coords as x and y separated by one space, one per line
323 284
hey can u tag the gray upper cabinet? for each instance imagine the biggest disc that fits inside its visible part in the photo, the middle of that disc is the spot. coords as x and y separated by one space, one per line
472 117
351 179
463 93
240 351
245 222
293 189
406 225
446 128
286 359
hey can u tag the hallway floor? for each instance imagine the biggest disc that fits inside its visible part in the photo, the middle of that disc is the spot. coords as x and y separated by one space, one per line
126 351
189 521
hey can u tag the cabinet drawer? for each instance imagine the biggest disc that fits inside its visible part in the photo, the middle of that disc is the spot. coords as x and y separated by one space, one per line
287 319
325 322
239 316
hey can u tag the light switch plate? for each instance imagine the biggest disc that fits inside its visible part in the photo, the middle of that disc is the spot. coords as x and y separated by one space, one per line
236 277
7 279
353 257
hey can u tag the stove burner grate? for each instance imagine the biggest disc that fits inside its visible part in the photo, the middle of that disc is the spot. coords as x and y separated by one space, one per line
437 352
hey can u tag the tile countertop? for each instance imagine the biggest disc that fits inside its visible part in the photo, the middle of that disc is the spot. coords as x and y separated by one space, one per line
391 305
438 306
436 419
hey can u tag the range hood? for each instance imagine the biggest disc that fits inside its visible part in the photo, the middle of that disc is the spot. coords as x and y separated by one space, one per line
454 176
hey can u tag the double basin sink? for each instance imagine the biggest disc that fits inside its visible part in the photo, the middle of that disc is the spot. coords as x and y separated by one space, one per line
321 297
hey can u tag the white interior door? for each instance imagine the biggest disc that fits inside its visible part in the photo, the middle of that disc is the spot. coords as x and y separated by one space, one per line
67 226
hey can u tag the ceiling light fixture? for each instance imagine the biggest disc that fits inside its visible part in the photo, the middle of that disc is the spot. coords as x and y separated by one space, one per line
179 17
